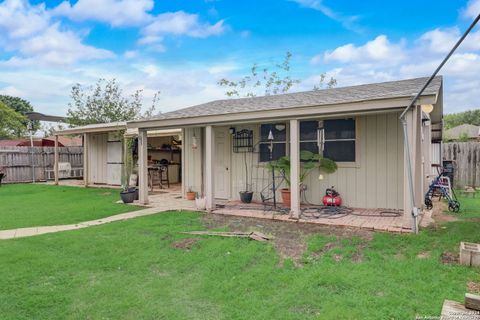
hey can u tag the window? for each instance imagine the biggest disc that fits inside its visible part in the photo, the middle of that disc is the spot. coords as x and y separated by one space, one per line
309 136
279 133
339 140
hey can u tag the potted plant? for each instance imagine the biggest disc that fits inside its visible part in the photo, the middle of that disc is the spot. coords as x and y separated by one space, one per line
191 194
310 161
246 195
128 193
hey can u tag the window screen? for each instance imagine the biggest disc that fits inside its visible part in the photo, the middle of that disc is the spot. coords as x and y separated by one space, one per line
279 132
339 140
308 136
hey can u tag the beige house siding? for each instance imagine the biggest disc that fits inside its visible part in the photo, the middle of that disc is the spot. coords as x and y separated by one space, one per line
193 160
374 181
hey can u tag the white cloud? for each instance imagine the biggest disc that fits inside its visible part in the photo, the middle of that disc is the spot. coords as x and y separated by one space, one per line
114 12
19 19
442 40
130 54
48 88
55 47
29 34
348 22
472 10
180 23
377 49
381 60
11 91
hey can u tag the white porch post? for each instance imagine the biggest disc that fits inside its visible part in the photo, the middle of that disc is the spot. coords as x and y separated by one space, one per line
143 166
209 176
55 165
182 160
295 168
85 159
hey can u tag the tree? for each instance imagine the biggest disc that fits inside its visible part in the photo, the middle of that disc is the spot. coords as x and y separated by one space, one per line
466 117
11 122
22 107
267 82
105 102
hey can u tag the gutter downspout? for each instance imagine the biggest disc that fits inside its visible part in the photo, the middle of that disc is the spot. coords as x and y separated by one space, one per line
404 122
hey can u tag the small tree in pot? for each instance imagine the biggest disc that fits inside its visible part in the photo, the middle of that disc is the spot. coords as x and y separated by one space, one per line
129 193
310 161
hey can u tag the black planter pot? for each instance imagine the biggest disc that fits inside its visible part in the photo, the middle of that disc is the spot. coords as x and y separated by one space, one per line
127 196
246 196
135 190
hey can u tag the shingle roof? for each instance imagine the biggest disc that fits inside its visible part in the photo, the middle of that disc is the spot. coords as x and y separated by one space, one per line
470 130
366 92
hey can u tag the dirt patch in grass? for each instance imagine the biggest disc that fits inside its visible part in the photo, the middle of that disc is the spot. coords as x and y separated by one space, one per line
440 213
185 244
326 248
105 194
289 237
449 258
473 287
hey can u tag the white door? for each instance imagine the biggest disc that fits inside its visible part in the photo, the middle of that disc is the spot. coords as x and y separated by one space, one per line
222 163
114 160
98 158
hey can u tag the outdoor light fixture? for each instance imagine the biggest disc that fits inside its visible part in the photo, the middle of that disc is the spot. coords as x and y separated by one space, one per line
232 130
427 108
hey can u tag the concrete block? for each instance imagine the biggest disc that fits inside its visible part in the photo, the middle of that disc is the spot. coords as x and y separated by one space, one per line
472 301
470 254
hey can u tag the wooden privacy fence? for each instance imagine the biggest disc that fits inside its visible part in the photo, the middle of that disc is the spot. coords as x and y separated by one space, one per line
466 157
17 161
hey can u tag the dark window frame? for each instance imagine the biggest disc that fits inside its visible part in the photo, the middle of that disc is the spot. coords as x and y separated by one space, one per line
342 140
280 142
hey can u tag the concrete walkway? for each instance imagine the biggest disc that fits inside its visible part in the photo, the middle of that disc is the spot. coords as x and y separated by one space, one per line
33 231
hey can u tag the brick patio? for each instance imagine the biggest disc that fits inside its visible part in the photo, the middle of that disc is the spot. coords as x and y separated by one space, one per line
371 219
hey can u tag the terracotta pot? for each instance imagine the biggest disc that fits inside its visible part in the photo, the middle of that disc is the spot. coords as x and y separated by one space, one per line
191 195
286 197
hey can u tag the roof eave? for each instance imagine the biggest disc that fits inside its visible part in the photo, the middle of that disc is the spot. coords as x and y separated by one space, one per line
295 112
99 129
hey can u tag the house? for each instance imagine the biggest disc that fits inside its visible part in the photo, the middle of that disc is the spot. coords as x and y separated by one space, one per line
37 142
462 132
357 126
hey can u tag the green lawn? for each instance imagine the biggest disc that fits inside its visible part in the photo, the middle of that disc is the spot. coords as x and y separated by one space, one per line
469 206
29 205
136 269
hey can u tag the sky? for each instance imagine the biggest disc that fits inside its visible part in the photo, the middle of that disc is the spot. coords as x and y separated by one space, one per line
183 48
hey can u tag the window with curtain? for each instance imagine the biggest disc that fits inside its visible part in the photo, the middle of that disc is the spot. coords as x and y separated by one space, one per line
337 138
279 132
